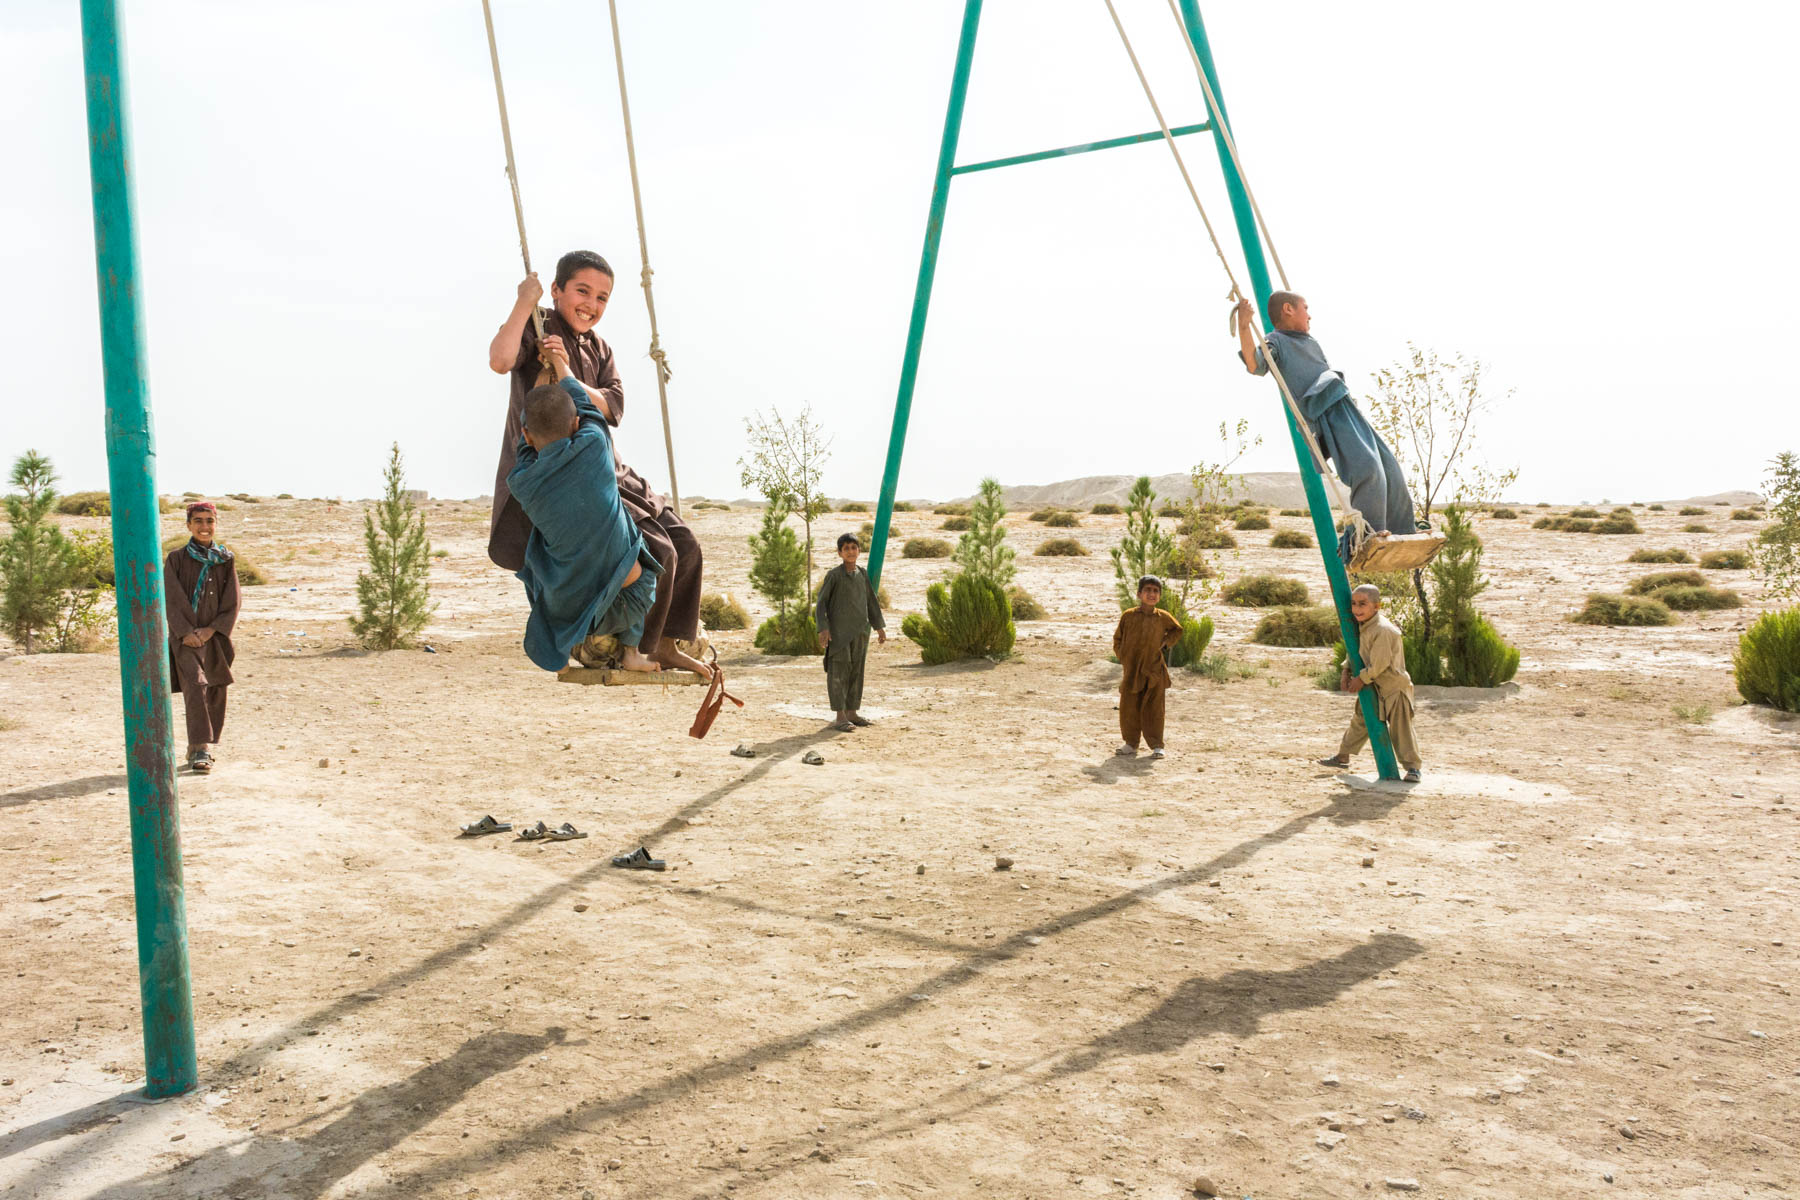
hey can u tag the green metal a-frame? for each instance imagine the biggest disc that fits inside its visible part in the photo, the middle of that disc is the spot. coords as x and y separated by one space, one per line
1248 237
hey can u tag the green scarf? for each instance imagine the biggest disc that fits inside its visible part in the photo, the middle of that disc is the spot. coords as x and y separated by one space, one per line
206 556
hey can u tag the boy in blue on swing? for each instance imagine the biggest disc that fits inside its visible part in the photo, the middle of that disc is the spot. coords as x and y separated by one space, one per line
1361 458
586 570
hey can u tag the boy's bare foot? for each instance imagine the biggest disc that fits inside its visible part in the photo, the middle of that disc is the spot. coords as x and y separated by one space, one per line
669 655
637 660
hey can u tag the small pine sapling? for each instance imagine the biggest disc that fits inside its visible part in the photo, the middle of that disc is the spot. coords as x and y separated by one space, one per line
1145 549
1475 655
982 550
393 596
37 563
968 617
777 561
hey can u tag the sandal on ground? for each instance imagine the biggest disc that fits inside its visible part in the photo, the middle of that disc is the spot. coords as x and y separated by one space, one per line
1342 764
487 824
1125 751
844 727
861 722
1410 777
639 860
534 832
1158 753
202 763
564 833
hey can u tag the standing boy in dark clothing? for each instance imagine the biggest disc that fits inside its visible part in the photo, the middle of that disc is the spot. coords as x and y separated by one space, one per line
846 610
583 285
1363 461
200 589
1143 634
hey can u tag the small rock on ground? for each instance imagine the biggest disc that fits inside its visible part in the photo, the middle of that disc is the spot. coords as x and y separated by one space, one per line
813 758
1402 1185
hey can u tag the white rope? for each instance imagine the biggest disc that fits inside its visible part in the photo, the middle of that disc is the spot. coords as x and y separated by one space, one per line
657 355
512 173
1300 422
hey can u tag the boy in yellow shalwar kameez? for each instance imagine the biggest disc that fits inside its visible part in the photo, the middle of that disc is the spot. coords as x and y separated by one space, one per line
1384 669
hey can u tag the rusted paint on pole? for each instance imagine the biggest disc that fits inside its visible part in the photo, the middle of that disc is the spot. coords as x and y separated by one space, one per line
170 1066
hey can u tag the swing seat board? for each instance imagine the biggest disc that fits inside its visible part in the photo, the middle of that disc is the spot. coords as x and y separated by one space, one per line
614 677
1395 552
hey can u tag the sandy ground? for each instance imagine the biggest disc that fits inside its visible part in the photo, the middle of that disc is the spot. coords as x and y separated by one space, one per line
1571 961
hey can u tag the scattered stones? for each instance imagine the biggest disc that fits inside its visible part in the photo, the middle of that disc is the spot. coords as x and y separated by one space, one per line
1387 1118
1368 860
1219 1067
1204 1186
6 1082
177 1137
1607 1176
356 952
1329 1081
1627 1131
1002 863
1402 1185
743 750
920 870
840 993
49 896
811 758
581 908
983 1064
324 762
1414 1114
1327 1140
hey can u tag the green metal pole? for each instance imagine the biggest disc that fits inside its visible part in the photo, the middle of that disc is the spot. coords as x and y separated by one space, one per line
1251 241
168 1006
915 332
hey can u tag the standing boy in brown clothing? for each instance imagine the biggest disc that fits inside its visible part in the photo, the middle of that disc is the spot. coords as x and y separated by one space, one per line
200 588
1384 669
1143 634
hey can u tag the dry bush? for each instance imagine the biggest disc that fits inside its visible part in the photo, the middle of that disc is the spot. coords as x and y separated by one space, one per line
1696 527
1308 626
1024 605
85 504
1201 532
1264 591
904 506
1744 514
720 611
1618 522
1607 608
1687 598
955 524
1689 510
1296 512
1504 514
1062 520
1253 520
1061 548
951 510
853 506
1671 555
1648 584
925 548
1592 514
1169 510
1105 510
1290 539
1725 560
1042 514
1656 508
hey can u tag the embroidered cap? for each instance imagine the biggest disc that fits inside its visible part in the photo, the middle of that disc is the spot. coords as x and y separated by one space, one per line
201 506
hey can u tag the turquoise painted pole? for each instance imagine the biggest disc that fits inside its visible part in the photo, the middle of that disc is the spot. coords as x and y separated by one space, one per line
915 331
1251 241
168 1006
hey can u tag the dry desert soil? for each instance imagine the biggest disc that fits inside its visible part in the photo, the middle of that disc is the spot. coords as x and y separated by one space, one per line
1562 966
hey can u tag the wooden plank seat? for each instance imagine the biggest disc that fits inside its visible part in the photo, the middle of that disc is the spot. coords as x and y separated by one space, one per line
600 658
1385 552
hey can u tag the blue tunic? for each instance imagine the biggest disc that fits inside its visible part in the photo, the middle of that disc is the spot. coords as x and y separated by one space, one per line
1363 461
582 543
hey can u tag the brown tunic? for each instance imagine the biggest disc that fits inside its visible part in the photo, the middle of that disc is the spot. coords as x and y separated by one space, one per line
210 665
1384 658
1139 642
592 362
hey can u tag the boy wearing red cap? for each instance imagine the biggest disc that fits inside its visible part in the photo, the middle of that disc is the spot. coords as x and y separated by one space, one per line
200 585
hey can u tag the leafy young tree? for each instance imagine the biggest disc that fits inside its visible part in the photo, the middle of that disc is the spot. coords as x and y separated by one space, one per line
777 560
1427 408
982 551
83 620
1145 549
37 563
394 594
1775 554
1200 540
787 458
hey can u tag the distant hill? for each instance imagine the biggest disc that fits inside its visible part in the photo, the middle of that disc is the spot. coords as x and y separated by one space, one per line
1279 489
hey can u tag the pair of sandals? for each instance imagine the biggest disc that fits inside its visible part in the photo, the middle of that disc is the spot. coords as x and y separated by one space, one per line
200 762
1343 764
852 724
538 832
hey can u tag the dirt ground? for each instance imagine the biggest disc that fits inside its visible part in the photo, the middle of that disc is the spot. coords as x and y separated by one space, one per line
1562 966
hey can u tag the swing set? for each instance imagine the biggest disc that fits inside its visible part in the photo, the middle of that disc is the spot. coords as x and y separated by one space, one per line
171 1065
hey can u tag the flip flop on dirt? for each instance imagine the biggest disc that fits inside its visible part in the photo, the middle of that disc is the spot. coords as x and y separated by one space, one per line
1340 763
564 833
861 722
487 824
532 833
844 727
639 860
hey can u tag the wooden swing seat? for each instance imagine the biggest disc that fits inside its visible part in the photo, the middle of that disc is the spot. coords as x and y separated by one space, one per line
617 677
1386 552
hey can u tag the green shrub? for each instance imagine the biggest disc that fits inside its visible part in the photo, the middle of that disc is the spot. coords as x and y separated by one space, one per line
1744 514
955 524
721 612
1767 663
1671 555
1296 512
793 634
865 534
1061 548
1202 532
1645 585
1169 510
1106 510
1725 560
85 504
1475 655
1251 521
1606 608
1472 653
904 506
1024 605
881 598
1424 661
1590 513
1196 635
1691 598
1695 527
920 547
1504 514
951 510
853 506
1290 539
969 617
1314 626
1062 520
1264 591
1690 510
1618 523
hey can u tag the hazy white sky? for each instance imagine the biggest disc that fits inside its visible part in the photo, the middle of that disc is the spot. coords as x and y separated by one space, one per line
1591 197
